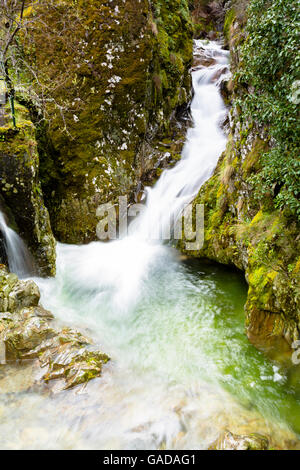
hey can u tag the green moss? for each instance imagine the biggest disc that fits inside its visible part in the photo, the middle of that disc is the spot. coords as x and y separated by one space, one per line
252 163
21 189
230 17
123 84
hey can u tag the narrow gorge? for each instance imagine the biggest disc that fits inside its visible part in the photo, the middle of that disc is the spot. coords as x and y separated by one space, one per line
149 225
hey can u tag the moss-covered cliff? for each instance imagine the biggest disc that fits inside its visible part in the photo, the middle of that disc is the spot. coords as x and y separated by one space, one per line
259 235
112 76
21 191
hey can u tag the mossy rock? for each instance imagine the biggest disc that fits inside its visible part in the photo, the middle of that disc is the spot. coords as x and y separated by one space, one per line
117 77
21 191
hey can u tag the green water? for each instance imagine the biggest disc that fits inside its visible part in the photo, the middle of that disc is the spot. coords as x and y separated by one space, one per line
182 369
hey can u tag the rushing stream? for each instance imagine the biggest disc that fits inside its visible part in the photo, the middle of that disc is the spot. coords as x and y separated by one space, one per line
182 369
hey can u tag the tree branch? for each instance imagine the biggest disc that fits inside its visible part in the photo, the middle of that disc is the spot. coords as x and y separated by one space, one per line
16 30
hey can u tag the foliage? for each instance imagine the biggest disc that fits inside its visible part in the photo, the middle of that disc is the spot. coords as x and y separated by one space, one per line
270 72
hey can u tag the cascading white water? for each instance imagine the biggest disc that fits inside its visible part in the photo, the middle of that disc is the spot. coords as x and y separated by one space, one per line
204 144
117 269
18 257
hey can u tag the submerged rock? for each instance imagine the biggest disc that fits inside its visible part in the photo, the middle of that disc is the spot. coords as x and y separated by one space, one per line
229 441
27 332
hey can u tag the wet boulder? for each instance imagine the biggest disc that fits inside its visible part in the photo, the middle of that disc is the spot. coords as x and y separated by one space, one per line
24 294
21 336
74 365
16 294
117 76
61 353
29 332
69 356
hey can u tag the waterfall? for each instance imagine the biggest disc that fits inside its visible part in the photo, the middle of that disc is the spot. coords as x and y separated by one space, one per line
181 364
204 144
18 256
117 271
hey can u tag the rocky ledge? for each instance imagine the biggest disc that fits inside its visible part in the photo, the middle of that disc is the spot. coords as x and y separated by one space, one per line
29 332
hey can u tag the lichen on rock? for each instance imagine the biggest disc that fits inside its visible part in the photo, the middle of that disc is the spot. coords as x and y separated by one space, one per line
252 234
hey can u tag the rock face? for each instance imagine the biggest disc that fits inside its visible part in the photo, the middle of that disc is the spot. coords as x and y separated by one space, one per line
229 441
253 235
21 190
28 333
208 18
117 75
105 92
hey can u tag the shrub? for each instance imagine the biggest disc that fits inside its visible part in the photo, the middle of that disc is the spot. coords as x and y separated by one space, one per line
270 64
